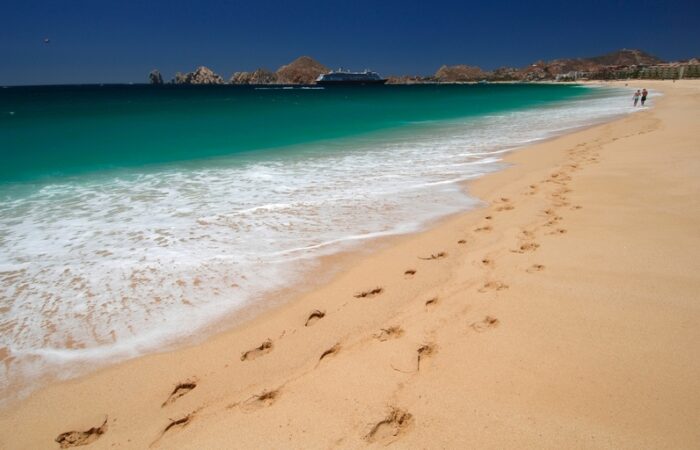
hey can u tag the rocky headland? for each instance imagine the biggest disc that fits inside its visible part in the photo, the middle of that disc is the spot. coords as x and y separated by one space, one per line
619 64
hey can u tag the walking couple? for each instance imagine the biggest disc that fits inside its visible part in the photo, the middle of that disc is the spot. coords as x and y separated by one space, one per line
638 94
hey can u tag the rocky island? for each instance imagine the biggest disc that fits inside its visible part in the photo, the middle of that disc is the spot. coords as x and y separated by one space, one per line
303 70
203 75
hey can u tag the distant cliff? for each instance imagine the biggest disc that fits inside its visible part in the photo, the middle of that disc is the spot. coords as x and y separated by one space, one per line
303 70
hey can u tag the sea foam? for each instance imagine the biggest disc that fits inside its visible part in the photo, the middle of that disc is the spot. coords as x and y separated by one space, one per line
109 266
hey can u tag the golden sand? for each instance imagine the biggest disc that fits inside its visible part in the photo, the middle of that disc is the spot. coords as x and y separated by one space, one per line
564 314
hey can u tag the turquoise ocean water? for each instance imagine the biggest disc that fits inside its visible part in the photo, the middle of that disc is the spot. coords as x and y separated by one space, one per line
54 131
133 216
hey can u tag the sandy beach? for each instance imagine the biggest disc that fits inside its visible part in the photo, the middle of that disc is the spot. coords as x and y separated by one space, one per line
561 314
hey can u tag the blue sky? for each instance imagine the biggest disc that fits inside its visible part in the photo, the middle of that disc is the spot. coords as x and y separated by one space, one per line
121 41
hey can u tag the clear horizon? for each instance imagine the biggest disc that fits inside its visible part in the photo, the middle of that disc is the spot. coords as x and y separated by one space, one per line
102 42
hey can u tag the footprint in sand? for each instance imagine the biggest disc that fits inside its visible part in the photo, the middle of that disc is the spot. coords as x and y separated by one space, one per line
422 352
262 349
264 399
180 390
558 232
486 324
331 351
314 317
553 221
431 302
371 293
462 241
484 229
434 256
391 428
409 273
504 204
493 286
526 247
77 438
487 262
176 424
393 332
532 190
535 268
527 234
559 176
180 423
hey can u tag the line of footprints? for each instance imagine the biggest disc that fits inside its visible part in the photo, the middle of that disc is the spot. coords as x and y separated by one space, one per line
397 421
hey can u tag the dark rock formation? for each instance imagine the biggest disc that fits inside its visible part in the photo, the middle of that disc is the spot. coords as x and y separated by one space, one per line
504 74
409 79
180 78
240 78
534 72
155 77
260 76
452 74
203 75
303 70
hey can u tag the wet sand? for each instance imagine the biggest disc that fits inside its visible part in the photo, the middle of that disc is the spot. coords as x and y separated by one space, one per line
563 314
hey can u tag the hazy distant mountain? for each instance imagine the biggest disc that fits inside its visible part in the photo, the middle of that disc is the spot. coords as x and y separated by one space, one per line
626 57
547 70
459 73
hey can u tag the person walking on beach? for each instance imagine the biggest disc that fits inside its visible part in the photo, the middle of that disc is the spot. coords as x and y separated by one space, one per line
636 97
644 96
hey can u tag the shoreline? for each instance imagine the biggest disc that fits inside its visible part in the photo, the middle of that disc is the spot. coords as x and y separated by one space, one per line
466 283
75 364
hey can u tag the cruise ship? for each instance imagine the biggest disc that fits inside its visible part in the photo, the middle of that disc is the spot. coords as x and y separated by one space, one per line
344 77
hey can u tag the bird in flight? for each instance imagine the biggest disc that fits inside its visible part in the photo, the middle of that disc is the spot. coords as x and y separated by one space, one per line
47 41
